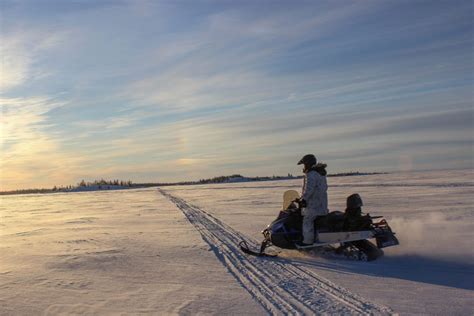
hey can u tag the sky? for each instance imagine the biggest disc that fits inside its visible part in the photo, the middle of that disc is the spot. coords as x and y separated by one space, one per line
156 91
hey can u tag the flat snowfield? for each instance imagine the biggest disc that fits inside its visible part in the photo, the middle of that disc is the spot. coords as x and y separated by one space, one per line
174 250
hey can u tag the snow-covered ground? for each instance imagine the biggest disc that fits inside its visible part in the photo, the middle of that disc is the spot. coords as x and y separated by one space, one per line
174 251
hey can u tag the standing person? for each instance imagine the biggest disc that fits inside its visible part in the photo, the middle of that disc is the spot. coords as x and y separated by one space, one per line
314 198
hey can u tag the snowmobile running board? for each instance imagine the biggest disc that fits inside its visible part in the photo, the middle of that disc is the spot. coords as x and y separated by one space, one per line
309 246
338 237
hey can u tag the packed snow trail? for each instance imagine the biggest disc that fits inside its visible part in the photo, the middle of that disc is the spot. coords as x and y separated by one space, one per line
280 286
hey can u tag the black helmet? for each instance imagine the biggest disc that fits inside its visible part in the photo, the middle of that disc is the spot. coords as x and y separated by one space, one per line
308 160
354 201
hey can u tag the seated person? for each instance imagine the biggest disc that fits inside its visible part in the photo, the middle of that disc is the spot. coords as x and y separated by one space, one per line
353 214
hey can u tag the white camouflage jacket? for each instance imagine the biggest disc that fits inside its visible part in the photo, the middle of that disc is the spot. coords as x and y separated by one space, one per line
315 193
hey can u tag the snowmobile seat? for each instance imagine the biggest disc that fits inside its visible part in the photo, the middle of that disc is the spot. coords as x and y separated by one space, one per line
332 222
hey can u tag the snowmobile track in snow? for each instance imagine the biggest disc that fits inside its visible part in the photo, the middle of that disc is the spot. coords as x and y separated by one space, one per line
280 286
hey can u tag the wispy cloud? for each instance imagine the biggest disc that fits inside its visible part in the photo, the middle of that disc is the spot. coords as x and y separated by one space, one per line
30 156
19 52
168 91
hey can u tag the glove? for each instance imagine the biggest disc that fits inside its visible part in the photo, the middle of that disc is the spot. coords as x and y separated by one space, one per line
303 203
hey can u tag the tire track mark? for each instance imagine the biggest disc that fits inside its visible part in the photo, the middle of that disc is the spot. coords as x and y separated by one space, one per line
278 285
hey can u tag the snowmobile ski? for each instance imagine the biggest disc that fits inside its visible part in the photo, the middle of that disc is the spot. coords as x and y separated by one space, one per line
245 248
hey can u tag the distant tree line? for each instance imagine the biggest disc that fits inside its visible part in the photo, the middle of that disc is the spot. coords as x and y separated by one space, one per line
26 191
103 182
96 184
354 173
121 184
221 179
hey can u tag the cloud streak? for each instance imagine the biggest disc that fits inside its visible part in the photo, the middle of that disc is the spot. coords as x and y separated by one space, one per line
165 91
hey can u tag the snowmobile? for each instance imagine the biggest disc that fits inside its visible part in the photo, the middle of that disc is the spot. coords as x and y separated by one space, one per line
337 233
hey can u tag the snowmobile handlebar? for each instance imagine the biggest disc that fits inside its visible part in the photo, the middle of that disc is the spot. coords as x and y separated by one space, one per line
301 202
